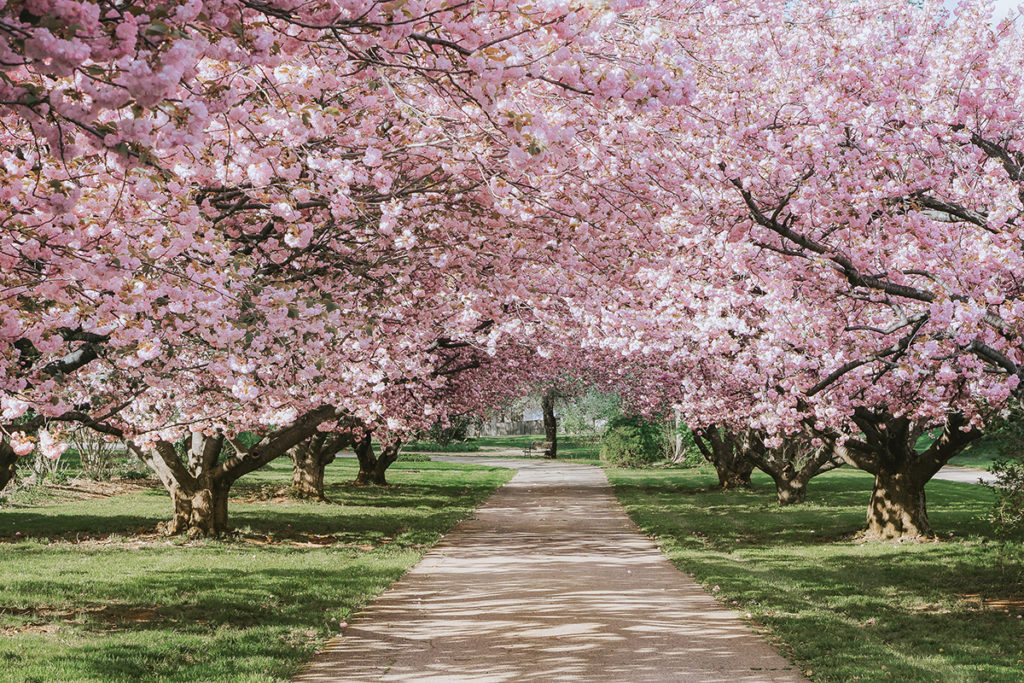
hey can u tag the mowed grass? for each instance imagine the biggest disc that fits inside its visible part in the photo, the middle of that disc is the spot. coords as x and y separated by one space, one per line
980 454
89 592
943 611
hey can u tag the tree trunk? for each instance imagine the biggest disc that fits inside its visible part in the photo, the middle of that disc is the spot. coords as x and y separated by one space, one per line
733 473
8 464
181 517
678 455
309 459
791 465
372 468
367 461
387 458
897 510
724 450
308 478
547 405
199 481
790 487
201 511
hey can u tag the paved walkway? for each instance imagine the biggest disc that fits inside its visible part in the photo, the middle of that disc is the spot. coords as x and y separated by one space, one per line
967 475
549 582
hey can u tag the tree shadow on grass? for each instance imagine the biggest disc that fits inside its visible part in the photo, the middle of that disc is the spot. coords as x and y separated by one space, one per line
212 622
355 514
409 528
835 509
72 527
402 495
290 524
904 603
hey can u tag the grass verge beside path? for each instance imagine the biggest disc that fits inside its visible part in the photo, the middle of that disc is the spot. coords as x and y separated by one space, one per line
944 611
88 592
980 454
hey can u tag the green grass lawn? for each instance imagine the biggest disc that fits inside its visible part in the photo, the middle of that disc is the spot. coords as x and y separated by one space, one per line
944 611
89 592
980 454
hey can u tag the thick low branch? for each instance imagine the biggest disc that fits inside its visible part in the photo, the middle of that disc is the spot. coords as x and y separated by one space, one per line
275 444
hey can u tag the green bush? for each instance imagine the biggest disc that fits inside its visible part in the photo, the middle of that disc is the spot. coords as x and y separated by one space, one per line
445 433
633 442
1008 507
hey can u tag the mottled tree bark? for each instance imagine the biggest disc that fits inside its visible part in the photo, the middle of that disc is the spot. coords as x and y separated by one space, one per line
897 510
199 481
200 510
310 458
197 493
725 451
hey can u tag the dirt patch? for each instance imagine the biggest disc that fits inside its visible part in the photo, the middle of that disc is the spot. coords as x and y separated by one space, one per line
262 493
934 608
88 489
49 620
262 499
1010 605
37 629
298 541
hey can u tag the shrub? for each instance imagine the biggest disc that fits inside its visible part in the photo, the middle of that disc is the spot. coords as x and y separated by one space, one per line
633 442
444 433
55 469
99 457
1008 507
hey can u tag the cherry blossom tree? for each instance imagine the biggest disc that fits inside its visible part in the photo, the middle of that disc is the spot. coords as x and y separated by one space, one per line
792 464
212 203
236 216
846 197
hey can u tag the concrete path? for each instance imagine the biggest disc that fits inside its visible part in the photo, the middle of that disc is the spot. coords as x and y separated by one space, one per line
967 475
549 582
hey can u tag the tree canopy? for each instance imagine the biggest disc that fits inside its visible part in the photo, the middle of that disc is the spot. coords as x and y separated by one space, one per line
792 219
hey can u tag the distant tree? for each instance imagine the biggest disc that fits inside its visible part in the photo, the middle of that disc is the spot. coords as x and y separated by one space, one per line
790 464
726 451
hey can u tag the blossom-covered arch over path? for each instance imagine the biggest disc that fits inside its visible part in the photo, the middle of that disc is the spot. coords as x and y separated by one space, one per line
352 216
